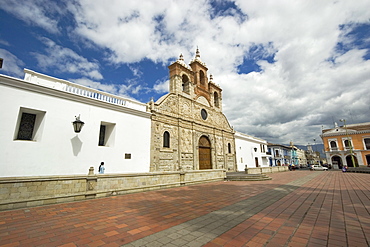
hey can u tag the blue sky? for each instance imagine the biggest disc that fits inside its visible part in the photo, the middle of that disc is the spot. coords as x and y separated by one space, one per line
287 68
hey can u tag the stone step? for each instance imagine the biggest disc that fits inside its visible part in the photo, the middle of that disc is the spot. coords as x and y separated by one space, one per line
247 177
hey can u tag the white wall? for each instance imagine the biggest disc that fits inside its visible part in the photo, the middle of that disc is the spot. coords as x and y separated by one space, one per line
57 150
245 154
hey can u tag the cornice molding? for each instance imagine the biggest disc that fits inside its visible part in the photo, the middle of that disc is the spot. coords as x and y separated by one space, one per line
36 88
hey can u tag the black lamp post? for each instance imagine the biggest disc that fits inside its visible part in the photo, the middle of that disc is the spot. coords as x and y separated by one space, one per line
77 124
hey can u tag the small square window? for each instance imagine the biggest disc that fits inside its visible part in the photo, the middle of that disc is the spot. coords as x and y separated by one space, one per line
127 156
106 134
29 125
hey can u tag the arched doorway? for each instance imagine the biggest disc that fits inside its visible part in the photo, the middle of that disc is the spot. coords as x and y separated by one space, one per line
204 153
336 160
350 162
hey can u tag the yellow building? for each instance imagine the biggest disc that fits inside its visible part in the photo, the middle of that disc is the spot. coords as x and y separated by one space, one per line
347 145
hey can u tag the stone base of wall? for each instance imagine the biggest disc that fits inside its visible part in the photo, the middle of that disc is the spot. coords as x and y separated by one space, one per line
22 192
362 169
270 169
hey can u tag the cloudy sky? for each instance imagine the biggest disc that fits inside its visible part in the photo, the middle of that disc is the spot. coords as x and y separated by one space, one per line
287 67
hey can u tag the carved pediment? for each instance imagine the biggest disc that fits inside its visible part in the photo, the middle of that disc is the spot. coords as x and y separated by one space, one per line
202 100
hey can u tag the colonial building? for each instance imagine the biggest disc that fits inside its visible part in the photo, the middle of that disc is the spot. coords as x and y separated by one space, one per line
302 159
189 130
250 152
347 145
281 155
313 157
37 137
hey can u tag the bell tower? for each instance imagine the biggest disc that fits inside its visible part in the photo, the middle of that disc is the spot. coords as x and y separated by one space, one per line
189 130
192 81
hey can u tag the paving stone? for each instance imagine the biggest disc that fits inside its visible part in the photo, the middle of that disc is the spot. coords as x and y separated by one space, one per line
292 209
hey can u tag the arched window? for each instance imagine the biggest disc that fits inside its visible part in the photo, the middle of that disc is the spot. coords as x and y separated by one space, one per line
347 144
202 78
333 145
185 84
166 139
229 148
367 143
215 99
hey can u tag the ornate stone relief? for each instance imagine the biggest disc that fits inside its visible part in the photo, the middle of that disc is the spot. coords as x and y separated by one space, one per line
202 100
185 109
169 105
219 145
186 141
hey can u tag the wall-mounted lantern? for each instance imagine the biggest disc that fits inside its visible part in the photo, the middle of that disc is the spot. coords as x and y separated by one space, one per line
255 149
77 124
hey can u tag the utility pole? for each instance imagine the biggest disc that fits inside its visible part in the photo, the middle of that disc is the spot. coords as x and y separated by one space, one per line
349 142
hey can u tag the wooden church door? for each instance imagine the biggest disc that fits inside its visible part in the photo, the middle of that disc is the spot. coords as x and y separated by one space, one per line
204 153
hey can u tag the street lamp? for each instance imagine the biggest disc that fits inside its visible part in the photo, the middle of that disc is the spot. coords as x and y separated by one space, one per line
315 151
77 124
349 142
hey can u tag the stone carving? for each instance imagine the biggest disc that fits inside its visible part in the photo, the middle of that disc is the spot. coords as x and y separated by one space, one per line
219 145
202 100
157 127
186 156
185 109
186 140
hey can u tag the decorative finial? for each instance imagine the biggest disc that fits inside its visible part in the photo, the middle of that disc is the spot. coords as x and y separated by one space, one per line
197 53
181 57
211 78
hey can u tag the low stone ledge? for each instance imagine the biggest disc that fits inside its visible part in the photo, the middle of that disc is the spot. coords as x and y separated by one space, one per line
359 169
262 170
37 191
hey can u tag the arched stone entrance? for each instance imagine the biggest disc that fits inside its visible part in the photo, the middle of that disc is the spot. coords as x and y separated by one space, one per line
350 162
204 153
336 160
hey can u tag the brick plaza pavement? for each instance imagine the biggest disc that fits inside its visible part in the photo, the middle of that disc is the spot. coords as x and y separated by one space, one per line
299 208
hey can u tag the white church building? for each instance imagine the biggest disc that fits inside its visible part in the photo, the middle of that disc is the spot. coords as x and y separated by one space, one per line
37 137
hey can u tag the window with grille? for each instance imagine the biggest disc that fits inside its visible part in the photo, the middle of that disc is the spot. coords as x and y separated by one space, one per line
26 126
29 125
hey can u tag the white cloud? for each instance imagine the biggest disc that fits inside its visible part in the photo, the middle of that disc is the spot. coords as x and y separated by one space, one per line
310 82
66 60
36 12
161 87
11 64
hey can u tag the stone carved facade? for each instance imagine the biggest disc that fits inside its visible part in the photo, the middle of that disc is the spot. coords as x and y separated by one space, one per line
190 111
